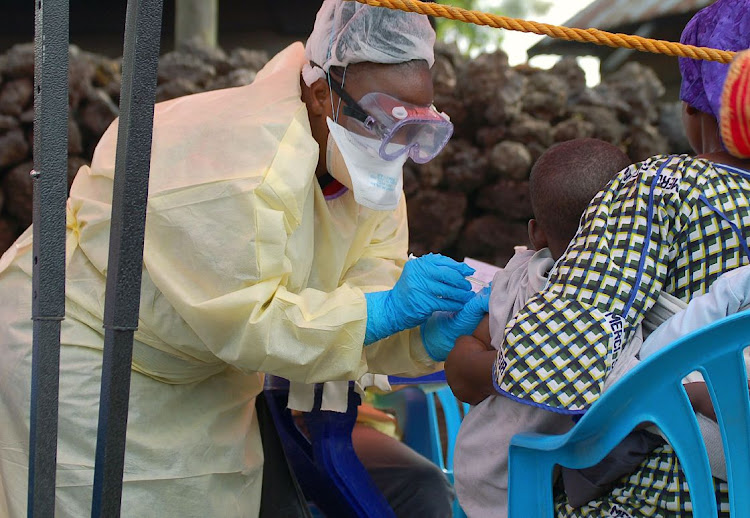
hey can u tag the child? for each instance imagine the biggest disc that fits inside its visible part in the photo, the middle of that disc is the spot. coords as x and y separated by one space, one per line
563 182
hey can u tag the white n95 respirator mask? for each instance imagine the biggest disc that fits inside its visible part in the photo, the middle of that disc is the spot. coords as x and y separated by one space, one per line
376 183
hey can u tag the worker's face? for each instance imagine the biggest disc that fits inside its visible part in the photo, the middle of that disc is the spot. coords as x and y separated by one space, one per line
409 82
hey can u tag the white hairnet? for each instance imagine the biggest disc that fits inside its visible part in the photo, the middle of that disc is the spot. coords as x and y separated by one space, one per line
350 32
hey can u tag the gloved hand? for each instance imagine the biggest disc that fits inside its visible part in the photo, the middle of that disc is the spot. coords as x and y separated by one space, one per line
442 329
429 283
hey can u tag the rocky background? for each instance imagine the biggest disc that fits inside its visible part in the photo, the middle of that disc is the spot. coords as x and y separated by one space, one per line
473 200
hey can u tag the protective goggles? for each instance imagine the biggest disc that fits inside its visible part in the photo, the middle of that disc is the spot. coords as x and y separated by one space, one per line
399 127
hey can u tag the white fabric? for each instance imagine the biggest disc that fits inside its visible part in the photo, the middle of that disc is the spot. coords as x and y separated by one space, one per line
714 446
336 164
728 295
481 455
665 307
247 269
523 277
376 183
349 32
335 393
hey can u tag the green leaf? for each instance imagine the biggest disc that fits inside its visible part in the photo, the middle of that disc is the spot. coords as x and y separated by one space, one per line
470 37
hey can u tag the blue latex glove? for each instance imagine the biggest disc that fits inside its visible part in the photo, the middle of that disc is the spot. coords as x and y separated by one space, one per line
429 283
440 332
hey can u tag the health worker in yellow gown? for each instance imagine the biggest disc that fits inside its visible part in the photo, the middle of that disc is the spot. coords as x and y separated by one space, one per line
276 242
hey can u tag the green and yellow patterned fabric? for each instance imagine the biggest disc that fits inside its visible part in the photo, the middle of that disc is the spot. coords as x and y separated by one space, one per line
672 223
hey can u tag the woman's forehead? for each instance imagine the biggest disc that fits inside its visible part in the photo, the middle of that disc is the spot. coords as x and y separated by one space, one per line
411 83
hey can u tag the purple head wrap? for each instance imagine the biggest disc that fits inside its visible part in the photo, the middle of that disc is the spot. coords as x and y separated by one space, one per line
723 25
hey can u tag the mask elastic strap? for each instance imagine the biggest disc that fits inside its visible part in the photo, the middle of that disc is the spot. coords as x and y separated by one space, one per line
330 92
337 109
332 86
351 107
343 80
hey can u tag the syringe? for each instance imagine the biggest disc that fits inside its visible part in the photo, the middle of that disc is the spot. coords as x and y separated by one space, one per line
470 278
474 280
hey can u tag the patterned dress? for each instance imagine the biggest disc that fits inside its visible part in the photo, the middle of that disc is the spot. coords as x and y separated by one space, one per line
672 223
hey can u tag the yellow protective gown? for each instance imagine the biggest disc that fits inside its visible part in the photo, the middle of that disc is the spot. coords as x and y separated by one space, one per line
248 269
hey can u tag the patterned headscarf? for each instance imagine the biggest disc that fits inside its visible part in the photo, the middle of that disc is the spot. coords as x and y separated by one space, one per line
724 25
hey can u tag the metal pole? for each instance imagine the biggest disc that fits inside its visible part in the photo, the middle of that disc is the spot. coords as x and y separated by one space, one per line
196 20
48 290
132 165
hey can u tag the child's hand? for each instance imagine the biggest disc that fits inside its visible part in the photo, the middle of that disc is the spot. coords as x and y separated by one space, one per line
468 370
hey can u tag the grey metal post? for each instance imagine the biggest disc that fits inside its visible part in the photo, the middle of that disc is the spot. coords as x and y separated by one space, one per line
196 20
132 165
48 291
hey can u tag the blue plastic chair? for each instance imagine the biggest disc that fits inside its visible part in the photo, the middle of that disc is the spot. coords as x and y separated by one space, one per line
653 392
418 416
326 465
417 413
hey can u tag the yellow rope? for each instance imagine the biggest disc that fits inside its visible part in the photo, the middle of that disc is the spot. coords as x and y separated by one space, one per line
555 31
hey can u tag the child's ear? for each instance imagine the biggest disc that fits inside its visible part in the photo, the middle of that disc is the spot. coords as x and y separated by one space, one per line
537 236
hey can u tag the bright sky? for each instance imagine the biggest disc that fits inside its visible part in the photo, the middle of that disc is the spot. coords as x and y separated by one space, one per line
516 43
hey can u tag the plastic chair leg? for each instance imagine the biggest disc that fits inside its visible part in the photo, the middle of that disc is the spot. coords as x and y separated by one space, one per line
457 511
529 484
452 413
410 406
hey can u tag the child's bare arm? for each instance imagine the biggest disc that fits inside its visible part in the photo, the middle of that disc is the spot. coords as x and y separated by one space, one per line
482 332
468 370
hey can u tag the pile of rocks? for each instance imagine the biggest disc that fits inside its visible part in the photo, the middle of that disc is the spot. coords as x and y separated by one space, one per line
94 94
472 200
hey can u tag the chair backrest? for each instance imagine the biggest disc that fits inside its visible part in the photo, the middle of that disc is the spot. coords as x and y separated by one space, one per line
453 412
418 413
653 392
419 416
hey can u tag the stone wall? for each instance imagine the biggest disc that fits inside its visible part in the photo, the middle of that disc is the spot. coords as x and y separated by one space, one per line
472 200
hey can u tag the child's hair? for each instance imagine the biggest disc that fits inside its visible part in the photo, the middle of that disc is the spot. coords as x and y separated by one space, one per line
566 178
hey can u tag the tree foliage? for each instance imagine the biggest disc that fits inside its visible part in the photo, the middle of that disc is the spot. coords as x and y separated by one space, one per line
472 38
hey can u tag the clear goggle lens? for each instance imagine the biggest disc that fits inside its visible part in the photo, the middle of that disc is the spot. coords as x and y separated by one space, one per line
420 131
